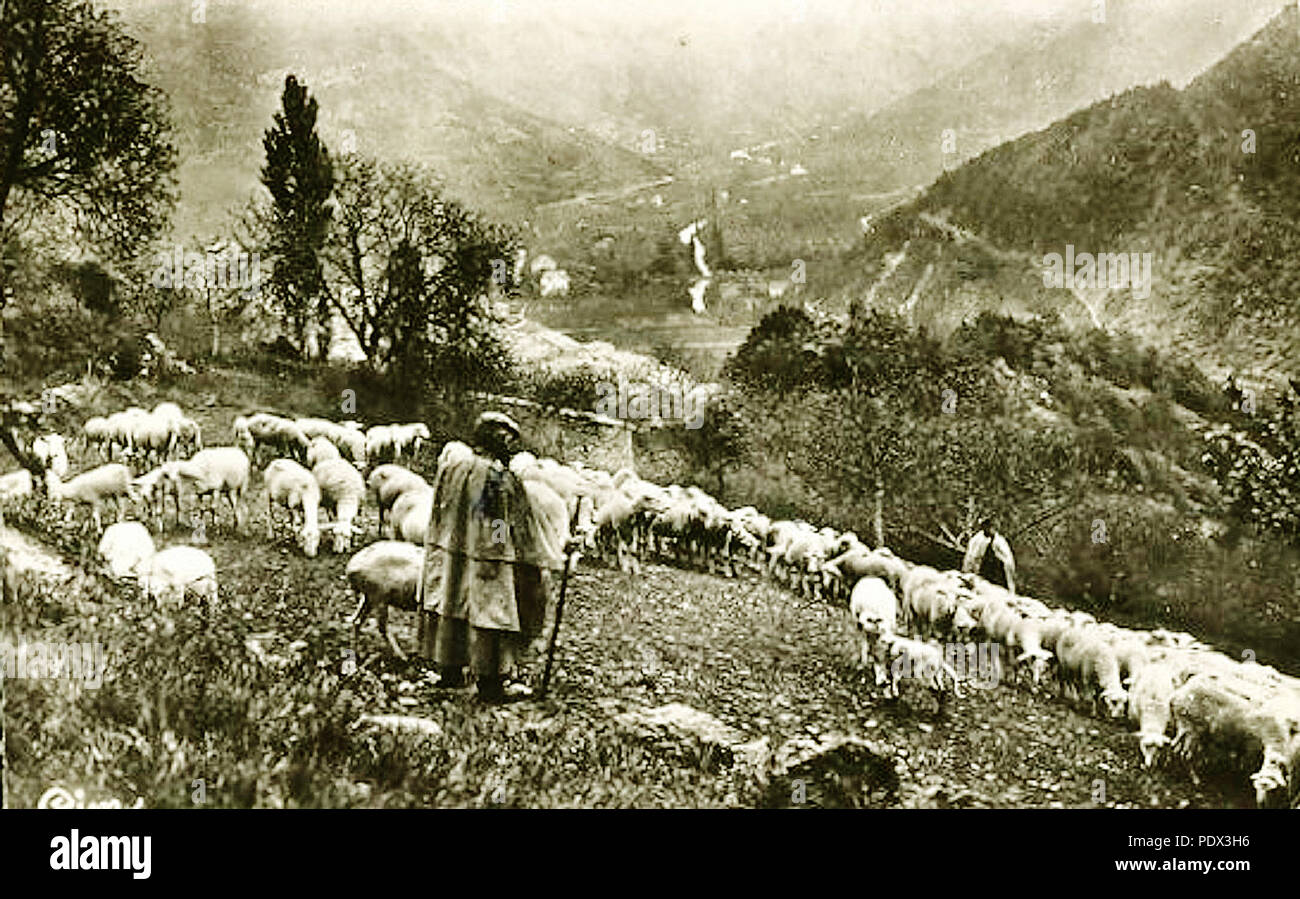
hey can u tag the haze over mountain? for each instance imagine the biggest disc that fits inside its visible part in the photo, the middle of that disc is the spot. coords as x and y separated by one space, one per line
525 103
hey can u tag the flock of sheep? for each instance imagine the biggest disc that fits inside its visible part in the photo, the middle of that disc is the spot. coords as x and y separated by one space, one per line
330 483
1185 701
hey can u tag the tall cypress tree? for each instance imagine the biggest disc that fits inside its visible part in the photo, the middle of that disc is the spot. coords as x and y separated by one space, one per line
300 177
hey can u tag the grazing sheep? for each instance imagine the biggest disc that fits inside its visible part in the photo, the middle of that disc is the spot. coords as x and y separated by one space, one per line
409 517
294 487
1148 708
1222 722
107 483
1089 664
380 443
282 436
388 482
97 433
874 608
342 491
923 661
385 574
1025 639
321 450
51 452
151 438
176 572
187 436
151 491
213 472
125 548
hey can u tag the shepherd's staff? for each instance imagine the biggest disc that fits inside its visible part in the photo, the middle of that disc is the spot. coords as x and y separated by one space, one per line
559 604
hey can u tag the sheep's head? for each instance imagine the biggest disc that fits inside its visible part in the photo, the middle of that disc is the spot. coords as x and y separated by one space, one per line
1268 779
1037 661
1116 700
963 623
342 532
1151 745
310 541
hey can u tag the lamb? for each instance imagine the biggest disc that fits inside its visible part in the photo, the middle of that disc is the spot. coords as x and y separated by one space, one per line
151 437
342 491
874 608
51 452
125 547
321 450
178 571
213 472
388 482
152 489
292 486
120 427
107 483
283 436
1026 640
1149 698
187 436
98 433
409 517
923 661
386 573
1087 662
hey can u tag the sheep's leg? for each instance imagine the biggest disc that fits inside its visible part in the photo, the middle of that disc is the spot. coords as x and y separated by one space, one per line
358 617
383 626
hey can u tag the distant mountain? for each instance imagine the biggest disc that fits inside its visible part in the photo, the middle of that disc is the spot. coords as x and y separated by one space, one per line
1206 179
386 92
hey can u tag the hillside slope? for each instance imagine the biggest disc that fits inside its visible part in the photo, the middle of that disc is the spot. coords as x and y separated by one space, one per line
1203 178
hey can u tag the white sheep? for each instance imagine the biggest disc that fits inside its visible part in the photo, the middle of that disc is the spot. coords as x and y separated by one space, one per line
176 572
187 436
107 483
97 433
213 472
385 574
321 450
924 662
1149 709
409 517
152 489
152 437
294 487
390 441
874 608
125 548
51 452
281 435
388 482
342 492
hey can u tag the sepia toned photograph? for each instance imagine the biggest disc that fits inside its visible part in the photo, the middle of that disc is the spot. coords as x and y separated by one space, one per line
753 404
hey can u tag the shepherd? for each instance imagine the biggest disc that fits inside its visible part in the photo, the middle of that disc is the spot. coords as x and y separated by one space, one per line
494 546
975 559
